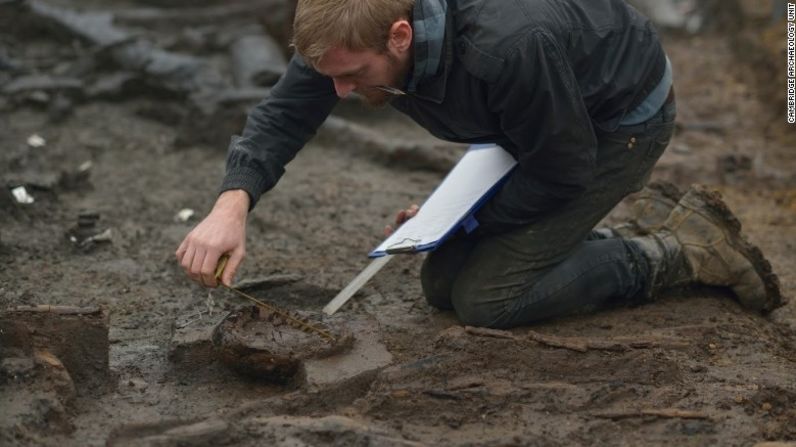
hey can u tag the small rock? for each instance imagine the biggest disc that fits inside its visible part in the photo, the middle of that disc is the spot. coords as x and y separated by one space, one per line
21 195
184 215
36 141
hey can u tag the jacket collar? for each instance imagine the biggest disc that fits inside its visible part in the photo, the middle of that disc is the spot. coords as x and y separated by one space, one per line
433 50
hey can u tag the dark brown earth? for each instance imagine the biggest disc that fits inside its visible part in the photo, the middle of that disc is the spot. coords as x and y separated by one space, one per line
701 371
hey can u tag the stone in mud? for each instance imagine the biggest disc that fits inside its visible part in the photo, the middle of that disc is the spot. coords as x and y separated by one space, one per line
367 356
264 346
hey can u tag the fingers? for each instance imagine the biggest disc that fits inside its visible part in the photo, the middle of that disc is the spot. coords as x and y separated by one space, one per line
195 270
207 270
235 259
187 260
222 231
406 214
400 218
180 253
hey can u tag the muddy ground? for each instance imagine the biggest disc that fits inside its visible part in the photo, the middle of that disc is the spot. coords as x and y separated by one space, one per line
722 376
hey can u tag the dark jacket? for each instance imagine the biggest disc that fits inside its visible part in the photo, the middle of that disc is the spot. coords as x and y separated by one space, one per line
539 77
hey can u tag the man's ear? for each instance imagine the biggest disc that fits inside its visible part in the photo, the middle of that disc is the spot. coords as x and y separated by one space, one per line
400 40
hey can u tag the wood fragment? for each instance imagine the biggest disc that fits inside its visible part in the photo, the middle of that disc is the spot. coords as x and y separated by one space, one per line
211 15
570 343
61 310
493 333
669 413
179 73
582 344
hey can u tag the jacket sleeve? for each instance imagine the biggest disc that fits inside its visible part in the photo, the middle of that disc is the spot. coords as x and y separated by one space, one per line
277 128
542 113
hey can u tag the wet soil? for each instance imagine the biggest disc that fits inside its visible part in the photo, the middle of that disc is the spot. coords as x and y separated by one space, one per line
733 369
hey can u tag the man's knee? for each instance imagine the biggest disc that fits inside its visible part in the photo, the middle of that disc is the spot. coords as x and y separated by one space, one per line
436 282
475 306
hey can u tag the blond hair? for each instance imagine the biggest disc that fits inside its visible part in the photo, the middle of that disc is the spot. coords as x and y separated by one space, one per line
351 24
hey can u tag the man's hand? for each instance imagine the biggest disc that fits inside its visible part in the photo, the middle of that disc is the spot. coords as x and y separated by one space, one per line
223 231
402 217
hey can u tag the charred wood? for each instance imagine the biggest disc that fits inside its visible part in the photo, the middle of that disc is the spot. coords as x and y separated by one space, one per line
195 16
25 85
179 73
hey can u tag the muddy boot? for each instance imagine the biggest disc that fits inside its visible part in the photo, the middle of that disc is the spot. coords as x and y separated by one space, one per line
717 254
650 209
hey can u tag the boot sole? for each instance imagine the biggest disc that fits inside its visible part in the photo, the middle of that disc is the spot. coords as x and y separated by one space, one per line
720 214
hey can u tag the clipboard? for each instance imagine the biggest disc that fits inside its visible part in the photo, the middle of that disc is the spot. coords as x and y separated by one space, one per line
476 177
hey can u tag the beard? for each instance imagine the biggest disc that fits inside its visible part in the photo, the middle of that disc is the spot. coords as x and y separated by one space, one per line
376 98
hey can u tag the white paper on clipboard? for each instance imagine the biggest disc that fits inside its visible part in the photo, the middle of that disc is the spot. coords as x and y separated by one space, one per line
463 191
